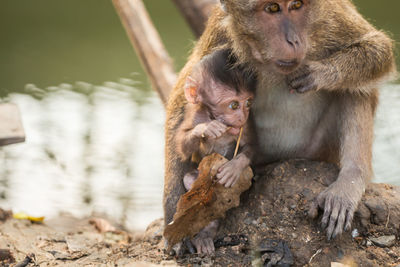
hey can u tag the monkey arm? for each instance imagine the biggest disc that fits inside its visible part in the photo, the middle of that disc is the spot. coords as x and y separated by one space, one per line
340 200
188 141
358 67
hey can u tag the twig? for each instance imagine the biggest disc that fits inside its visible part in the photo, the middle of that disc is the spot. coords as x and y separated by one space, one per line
238 142
148 45
315 254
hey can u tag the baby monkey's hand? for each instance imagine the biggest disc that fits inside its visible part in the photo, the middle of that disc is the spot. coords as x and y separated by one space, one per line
229 173
213 129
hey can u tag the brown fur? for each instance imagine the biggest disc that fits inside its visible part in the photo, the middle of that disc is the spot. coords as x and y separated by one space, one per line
345 60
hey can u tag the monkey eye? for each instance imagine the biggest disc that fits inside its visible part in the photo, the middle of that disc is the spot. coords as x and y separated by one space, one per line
273 8
249 102
234 105
297 4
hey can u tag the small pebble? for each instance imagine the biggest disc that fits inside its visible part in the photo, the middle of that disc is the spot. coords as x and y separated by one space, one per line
355 233
227 239
384 241
369 243
247 221
294 235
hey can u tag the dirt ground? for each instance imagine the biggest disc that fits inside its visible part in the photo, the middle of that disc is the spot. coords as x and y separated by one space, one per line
269 228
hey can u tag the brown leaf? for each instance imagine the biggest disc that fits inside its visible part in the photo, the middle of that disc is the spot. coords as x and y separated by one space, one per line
206 201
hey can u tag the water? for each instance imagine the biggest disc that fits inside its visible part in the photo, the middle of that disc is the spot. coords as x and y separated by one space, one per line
94 127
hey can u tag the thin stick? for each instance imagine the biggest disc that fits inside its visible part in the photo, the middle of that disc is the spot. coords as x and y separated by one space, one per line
238 142
148 45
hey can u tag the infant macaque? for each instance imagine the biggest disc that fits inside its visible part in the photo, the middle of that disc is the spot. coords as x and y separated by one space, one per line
219 92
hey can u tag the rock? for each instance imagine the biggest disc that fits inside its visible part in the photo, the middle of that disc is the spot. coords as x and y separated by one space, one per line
248 221
275 253
6 257
384 241
154 231
5 214
355 233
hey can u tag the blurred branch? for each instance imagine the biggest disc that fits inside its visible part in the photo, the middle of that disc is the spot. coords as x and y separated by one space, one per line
196 13
148 45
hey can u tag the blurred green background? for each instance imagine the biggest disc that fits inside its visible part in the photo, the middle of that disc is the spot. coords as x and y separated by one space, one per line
47 42
94 126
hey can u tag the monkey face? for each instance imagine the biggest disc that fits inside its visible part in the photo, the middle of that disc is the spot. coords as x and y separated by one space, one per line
232 108
276 30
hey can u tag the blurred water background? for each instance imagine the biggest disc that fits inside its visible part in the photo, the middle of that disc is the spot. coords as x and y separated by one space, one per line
94 126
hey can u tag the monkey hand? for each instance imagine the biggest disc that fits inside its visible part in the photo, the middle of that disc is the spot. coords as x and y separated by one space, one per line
339 202
213 129
229 173
204 240
303 79
203 244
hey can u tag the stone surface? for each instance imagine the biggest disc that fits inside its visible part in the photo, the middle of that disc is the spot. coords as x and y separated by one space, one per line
384 241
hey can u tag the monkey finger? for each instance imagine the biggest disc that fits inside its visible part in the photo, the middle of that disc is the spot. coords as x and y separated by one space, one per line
231 181
306 88
217 126
340 222
349 219
298 81
210 246
224 179
333 220
217 131
327 212
221 126
188 244
210 134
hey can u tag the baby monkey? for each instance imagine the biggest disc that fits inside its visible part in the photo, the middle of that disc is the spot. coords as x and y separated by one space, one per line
219 93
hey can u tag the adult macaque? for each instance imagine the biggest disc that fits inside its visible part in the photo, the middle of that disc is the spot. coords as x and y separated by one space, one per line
219 95
322 47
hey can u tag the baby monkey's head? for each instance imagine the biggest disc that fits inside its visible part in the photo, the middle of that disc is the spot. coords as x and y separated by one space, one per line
224 87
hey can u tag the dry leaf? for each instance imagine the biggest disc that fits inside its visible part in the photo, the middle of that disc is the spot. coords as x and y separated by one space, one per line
206 201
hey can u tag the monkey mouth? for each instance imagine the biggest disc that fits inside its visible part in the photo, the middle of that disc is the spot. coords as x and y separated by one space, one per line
234 130
286 66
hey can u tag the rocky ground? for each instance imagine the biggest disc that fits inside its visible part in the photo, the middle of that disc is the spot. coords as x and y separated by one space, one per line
269 227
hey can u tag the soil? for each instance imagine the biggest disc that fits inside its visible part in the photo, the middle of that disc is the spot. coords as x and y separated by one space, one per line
269 226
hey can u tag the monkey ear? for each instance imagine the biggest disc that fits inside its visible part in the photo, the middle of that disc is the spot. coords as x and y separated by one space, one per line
191 90
223 7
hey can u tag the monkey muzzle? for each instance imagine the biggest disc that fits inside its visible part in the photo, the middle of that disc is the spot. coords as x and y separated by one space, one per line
286 66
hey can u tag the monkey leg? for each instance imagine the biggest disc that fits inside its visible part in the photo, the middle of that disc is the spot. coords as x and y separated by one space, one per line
189 179
204 240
